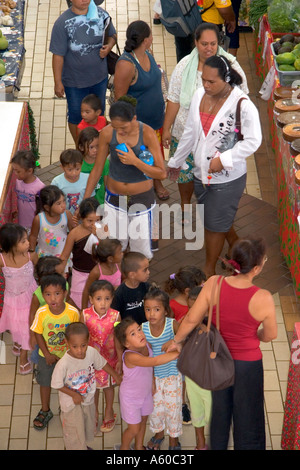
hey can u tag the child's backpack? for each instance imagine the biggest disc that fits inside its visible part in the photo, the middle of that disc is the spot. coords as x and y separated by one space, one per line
181 17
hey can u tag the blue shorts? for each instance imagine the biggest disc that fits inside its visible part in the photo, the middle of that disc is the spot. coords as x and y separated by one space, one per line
75 96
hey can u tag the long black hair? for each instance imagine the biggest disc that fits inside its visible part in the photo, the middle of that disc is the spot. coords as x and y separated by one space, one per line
225 70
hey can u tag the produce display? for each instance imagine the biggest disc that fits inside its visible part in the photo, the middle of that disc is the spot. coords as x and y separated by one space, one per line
284 16
3 42
287 53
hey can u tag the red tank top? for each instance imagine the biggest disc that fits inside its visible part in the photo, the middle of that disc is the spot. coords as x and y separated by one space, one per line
237 326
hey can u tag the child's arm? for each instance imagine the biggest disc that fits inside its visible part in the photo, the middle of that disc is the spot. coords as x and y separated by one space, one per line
35 304
50 358
65 254
34 233
134 359
72 221
34 257
76 397
119 351
109 370
93 276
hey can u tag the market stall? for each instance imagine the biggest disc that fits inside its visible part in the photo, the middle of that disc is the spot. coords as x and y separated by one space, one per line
14 135
12 57
276 55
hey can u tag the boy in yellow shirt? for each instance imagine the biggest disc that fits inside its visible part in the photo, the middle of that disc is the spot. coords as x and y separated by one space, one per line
49 326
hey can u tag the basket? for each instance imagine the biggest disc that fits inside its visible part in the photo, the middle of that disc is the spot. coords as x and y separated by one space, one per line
285 78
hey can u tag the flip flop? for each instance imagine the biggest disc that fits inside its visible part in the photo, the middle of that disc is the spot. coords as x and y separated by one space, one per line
156 443
16 350
108 426
162 194
23 370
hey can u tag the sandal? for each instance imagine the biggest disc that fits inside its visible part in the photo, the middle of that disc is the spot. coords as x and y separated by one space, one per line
16 350
42 417
178 447
162 194
156 443
108 426
23 370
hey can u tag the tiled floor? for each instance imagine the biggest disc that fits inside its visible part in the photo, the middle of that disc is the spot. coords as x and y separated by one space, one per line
19 396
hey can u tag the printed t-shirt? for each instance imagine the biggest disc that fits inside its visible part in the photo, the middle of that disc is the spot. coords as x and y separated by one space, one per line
78 375
212 15
53 327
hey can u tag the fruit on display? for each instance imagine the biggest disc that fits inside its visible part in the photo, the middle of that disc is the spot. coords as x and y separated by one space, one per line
2 68
3 41
287 53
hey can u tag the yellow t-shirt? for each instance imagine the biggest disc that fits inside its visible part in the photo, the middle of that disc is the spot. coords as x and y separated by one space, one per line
212 15
53 327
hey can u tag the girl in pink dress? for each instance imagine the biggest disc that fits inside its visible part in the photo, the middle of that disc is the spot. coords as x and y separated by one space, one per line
100 320
18 269
108 255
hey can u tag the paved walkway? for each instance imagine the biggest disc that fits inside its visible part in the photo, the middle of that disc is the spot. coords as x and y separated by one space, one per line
19 396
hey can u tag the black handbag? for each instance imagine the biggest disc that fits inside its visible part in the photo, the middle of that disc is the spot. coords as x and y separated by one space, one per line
112 57
204 357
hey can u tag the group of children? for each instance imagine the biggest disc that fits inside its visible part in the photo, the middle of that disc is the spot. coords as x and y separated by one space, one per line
87 313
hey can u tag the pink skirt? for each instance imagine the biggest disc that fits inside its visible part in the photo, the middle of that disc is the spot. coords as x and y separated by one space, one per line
77 286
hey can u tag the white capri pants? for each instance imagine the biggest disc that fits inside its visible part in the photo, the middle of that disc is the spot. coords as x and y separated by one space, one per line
132 226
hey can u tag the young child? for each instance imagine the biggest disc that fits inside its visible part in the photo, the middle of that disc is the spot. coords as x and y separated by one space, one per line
108 255
91 110
17 265
74 378
27 186
45 266
100 320
137 386
200 399
129 296
88 143
167 399
77 243
49 326
50 226
72 182
181 283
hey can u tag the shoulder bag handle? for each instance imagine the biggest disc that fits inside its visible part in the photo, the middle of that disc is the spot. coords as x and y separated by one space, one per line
218 280
238 119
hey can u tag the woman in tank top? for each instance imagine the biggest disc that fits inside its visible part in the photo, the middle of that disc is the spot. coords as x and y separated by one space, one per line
130 196
244 308
138 75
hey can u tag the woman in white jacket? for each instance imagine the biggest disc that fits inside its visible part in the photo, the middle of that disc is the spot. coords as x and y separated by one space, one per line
185 80
219 166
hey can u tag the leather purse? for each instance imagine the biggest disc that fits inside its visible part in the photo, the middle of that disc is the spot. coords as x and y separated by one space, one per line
204 357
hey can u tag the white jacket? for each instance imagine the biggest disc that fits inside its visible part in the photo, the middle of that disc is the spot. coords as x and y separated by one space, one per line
205 147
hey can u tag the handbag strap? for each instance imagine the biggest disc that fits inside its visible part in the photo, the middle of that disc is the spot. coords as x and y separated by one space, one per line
217 283
238 119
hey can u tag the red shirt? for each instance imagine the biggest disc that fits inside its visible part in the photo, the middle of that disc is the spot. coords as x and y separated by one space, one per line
237 326
178 309
101 122
206 121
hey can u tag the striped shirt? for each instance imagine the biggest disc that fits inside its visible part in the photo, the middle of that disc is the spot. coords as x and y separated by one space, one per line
156 342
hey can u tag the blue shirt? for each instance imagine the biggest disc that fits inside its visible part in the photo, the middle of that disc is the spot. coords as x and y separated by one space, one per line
156 342
79 40
74 192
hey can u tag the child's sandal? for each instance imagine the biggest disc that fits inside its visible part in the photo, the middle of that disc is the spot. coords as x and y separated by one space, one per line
42 417
108 426
26 369
156 443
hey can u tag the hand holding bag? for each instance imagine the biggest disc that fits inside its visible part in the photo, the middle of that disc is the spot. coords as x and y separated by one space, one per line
205 358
